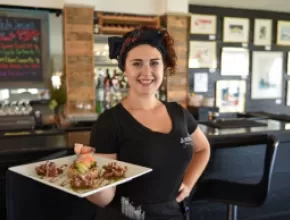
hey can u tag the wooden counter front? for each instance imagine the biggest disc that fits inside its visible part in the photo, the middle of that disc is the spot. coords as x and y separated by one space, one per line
82 137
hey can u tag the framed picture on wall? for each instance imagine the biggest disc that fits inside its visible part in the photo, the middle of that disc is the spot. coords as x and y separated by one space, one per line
263 32
236 30
283 33
288 63
202 54
267 74
200 82
235 61
288 93
203 24
230 95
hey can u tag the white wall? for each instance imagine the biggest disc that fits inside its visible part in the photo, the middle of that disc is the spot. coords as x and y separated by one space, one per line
122 6
35 3
150 7
56 40
177 6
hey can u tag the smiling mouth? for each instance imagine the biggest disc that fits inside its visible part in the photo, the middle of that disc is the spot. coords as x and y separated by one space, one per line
146 82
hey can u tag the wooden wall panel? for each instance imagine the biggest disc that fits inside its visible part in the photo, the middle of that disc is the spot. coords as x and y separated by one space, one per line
177 84
79 59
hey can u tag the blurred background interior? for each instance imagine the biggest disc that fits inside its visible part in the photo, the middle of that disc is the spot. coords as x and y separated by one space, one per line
233 75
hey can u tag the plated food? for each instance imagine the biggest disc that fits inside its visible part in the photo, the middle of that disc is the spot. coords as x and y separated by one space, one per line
81 174
84 172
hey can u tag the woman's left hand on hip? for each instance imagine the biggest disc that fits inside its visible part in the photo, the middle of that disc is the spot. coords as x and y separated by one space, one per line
184 192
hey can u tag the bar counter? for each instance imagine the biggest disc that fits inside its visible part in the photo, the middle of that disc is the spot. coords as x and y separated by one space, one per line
15 142
62 138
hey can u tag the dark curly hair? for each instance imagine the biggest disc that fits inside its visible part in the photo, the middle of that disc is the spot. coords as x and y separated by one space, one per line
157 37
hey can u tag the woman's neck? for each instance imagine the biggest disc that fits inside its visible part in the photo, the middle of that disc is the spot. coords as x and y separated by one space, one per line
136 102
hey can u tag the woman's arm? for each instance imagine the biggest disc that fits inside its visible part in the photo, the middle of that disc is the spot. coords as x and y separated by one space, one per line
104 139
199 160
104 197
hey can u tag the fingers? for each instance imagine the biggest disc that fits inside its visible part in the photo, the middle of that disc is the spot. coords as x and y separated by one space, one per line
179 198
181 187
182 195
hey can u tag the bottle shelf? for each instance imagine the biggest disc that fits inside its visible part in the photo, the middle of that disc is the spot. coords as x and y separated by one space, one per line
129 19
122 23
115 30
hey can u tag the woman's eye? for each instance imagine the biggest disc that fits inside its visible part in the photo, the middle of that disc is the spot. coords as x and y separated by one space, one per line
137 64
154 63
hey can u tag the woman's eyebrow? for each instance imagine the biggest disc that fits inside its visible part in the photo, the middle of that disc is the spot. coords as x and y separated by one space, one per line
135 60
142 60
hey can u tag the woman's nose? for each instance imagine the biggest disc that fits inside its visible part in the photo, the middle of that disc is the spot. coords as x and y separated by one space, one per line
146 70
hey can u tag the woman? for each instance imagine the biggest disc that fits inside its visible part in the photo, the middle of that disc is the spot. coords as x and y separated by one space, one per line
145 131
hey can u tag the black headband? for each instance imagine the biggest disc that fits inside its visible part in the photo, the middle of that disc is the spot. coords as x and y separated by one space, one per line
120 46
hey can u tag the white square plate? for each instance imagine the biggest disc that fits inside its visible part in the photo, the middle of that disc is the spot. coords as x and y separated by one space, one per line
28 170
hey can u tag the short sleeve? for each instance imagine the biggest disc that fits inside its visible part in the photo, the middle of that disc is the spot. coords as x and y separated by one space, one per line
103 135
190 121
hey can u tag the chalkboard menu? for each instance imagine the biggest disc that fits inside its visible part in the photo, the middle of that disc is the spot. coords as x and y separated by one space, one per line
20 49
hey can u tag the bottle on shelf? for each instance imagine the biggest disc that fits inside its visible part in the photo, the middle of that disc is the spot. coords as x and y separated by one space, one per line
108 80
110 89
100 92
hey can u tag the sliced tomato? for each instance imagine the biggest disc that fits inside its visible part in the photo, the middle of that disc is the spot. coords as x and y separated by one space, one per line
87 149
87 159
82 149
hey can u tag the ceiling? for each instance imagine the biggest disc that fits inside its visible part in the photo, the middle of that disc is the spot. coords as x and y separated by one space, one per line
271 5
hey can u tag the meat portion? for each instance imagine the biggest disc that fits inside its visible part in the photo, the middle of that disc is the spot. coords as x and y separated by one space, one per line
94 177
82 182
114 171
49 169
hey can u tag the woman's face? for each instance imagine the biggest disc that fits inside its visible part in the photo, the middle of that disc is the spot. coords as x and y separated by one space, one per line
144 69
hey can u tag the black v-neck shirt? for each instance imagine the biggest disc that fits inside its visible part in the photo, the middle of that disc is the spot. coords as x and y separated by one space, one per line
168 154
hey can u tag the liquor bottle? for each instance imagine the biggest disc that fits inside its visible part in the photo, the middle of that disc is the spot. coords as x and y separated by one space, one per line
100 92
115 81
108 94
108 80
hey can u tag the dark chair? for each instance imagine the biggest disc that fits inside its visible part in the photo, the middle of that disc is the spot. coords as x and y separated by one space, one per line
236 194
14 158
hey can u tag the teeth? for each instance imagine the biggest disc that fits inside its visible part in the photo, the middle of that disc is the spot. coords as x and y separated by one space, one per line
146 81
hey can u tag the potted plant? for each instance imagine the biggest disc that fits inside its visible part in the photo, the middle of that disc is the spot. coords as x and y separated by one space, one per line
57 92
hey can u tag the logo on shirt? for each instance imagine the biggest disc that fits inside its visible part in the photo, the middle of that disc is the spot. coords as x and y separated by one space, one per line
186 141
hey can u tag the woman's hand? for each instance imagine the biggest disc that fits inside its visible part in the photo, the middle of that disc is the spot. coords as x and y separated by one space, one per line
184 192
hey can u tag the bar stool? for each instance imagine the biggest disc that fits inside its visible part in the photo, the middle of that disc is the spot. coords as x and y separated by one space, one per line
235 194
